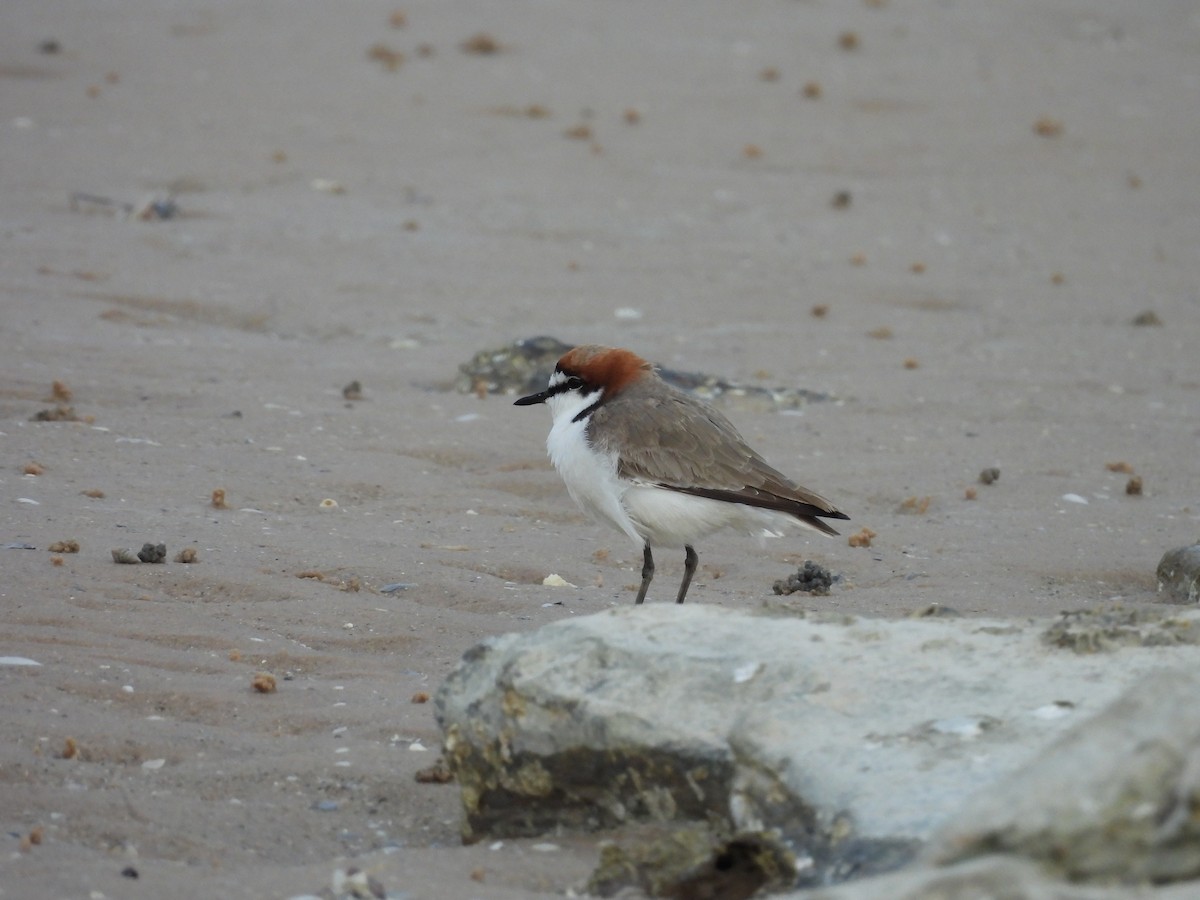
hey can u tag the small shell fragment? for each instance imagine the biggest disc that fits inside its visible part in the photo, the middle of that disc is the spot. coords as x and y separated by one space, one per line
125 556
396 586
553 580
328 503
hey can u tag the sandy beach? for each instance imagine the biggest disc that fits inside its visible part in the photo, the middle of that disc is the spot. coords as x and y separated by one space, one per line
973 226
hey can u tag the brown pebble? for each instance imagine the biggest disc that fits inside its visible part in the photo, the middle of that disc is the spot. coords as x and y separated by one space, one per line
1133 487
862 538
420 697
1058 279
970 494
390 59
918 505
770 73
848 40
187 555
579 132
94 493
60 393
1123 467
33 468
398 19
353 391
632 115
989 476
752 151
70 748
917 268
477 875
64 547
218 499
264 682
36 835
481 44
911 362
811 90
1048 127
1149 317
56 560
235 655
841 200
882 333
820 311
438 773
858 259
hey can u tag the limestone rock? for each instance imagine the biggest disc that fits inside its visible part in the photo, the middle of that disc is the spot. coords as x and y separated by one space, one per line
854 738
1115 798
984 878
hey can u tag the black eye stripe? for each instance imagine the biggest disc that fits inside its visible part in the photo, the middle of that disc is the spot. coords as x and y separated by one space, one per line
573 383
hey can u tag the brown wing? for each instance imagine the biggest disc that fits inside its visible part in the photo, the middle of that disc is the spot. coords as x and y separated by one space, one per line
673 440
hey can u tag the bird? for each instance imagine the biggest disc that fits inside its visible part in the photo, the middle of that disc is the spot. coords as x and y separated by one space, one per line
660 465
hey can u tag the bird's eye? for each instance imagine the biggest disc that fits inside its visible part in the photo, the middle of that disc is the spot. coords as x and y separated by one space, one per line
574 383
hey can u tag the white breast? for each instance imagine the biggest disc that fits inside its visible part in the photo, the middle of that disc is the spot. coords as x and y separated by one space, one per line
591 477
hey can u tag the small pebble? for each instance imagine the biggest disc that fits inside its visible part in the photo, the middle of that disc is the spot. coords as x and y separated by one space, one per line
263 682
125 556
989 476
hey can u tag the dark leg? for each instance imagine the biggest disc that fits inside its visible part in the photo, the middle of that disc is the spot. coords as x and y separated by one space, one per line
689 569
647 573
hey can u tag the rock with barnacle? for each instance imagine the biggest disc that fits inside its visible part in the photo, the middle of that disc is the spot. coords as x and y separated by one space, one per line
662 715
812 578
1179 575
153 553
